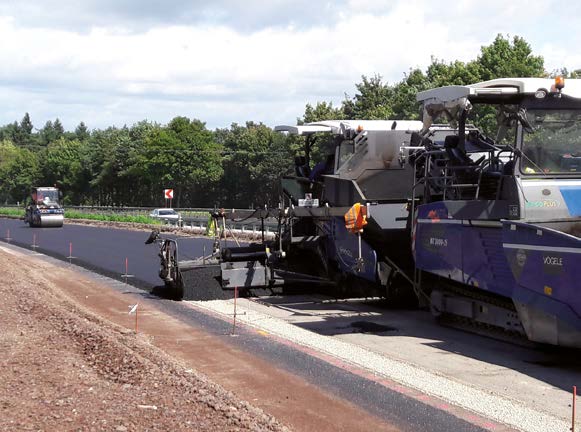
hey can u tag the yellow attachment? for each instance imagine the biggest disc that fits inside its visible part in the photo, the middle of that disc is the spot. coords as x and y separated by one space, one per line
356 218
211 228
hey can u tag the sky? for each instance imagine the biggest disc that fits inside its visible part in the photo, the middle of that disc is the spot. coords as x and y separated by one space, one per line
117 62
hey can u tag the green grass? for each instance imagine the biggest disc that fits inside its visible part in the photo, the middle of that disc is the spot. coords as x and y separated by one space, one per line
11 211
71 214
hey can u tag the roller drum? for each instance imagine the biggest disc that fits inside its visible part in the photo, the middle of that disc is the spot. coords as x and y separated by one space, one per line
52 220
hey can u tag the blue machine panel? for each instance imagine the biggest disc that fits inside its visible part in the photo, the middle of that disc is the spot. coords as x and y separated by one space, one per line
462 251
572 197
547 267
343 247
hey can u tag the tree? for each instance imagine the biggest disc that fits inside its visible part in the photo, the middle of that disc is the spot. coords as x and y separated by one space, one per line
506 59
108 160
11 132
26 124
372 102
140 189
47 134
321 111
51 132
199 165
61 165
82 132
183 156
18 172
58 128
403 102
254 159
23 132
440 74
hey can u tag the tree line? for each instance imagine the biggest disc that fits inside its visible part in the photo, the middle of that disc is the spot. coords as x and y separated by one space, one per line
238 166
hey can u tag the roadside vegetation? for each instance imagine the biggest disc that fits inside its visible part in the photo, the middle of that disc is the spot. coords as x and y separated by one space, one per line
11 211
235 167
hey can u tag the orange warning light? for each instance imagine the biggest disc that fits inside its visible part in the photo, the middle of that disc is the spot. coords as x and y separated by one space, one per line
559 82
356 218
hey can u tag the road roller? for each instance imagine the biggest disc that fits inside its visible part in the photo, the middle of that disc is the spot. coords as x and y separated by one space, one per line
44 209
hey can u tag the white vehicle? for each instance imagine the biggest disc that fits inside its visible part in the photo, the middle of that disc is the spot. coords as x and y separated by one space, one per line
166 214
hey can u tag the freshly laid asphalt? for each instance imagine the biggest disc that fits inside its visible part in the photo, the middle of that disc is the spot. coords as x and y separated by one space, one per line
101 249
104 250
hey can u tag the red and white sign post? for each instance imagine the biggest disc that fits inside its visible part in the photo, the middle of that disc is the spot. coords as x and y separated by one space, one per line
168 195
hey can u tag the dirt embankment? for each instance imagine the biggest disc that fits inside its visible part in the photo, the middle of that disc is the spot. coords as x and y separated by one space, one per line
63 368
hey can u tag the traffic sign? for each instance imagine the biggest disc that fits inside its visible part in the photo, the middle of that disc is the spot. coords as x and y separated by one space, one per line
168 193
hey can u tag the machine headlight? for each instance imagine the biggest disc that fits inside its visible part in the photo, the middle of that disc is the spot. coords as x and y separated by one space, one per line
541 93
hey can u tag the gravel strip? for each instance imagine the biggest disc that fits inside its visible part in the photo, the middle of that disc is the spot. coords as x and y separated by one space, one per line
493 406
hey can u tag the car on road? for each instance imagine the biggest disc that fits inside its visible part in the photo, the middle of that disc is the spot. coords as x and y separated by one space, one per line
166 214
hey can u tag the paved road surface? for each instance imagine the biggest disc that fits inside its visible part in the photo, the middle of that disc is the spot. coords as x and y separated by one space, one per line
101 248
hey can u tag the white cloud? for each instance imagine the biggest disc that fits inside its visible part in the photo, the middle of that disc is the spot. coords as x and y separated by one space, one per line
220 74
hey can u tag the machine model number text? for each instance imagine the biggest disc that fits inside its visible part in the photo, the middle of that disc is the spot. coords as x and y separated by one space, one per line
434 241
